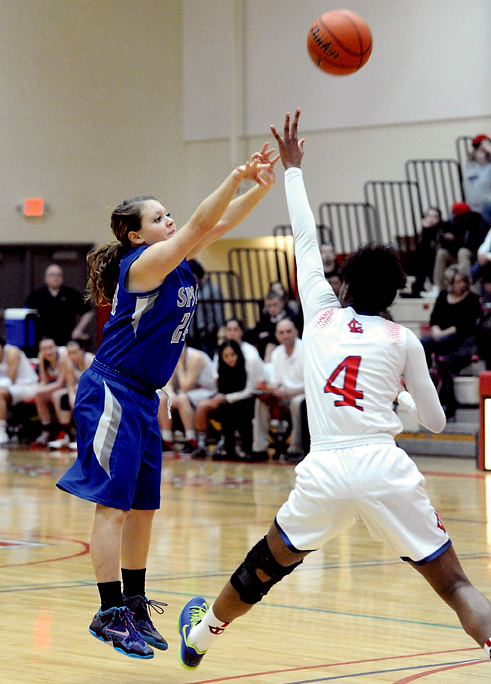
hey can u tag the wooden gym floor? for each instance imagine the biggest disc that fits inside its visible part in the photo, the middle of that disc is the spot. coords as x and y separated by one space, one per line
352 612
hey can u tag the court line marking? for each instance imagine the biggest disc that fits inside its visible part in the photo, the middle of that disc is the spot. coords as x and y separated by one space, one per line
90 583
340 664
447 666
84 551
361 615
420 675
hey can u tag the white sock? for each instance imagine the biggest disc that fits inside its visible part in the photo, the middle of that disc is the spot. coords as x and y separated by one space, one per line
203 634
487 648
167 435
190 434
3 424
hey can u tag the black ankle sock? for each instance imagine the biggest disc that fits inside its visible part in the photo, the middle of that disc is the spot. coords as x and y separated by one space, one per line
110 593
133 582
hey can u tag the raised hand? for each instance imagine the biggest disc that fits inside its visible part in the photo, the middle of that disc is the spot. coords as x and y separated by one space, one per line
251 171
268 176
290 147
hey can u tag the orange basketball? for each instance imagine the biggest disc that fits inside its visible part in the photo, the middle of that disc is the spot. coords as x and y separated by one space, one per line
339 42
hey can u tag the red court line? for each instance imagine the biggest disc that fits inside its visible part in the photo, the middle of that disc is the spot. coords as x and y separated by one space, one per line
326 665
84 551
412 678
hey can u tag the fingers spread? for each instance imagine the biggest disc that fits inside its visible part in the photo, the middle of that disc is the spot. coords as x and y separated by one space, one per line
295 122
273 131
286 127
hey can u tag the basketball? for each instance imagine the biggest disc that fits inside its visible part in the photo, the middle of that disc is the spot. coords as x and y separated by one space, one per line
339 42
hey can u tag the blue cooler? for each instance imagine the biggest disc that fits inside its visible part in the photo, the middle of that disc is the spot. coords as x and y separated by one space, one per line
20 328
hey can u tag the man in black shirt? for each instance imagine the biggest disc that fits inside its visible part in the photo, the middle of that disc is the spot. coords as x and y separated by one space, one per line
63 313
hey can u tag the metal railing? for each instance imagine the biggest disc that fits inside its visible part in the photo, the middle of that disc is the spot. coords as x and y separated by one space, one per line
258 268
347 225
225 298
439 181
398 211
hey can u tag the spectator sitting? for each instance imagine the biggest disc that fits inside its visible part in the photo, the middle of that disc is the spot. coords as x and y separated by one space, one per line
477 178
208 317
431 225
457 242
78 361
484 322
53 363
63 313
263 334
452 340
234 330
233 405
283 394
329 260
336 281
18 382
483 260
291 306
191 383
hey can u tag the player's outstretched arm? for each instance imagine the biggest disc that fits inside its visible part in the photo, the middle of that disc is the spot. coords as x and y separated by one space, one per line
315 292
240 207
151 268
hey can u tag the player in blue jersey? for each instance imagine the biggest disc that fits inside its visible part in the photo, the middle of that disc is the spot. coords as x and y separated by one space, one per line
146 278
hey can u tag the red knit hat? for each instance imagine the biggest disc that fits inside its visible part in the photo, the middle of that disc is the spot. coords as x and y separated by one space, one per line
460 208
478 140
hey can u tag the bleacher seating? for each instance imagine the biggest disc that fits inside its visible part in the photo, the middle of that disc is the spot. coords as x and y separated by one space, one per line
439 182
347 225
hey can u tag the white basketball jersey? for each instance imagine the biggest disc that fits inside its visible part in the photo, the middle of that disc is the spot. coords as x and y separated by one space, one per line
352 363
353 367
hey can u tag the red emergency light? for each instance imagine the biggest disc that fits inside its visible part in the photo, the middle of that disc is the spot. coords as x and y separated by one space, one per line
33 206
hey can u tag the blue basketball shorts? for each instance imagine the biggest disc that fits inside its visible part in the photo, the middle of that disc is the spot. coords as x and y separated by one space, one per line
119 460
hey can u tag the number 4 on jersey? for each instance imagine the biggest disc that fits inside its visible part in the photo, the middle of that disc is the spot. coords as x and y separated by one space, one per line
348 391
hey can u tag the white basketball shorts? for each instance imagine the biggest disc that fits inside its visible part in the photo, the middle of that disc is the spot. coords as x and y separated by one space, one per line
376 482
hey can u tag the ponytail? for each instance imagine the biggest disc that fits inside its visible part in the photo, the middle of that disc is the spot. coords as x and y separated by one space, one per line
103 265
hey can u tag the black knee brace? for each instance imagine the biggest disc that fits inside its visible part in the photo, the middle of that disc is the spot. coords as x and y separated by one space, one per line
245 580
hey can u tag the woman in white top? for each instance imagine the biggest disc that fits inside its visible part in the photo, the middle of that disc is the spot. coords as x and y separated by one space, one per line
53 366
18 382
234 330
191 383
80 360
233 404
64 399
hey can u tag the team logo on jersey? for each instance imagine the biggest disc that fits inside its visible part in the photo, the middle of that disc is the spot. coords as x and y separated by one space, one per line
354 326
218 630
439 522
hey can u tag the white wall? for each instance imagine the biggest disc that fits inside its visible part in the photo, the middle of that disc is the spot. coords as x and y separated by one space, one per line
92 109
429 62
90 112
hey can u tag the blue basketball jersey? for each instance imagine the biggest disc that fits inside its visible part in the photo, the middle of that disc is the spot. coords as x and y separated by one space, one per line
146 330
